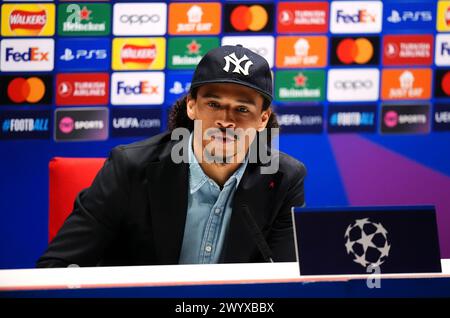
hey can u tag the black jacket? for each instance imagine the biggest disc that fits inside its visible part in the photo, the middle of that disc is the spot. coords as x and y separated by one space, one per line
135 210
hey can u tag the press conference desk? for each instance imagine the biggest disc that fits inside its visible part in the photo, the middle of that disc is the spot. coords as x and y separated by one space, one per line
221 280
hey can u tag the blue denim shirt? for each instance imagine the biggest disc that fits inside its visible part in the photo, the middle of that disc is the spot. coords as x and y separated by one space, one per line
208 214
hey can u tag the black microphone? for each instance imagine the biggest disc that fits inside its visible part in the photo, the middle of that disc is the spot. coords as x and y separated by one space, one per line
257 235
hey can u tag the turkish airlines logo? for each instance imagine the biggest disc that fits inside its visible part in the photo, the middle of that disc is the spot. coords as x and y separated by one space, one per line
408 49
353 85
302 17
363 16
232 59
82 89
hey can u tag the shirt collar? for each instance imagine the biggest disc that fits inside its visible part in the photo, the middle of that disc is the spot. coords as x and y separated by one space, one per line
197 177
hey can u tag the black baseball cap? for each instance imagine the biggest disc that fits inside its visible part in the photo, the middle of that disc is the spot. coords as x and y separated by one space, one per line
234 64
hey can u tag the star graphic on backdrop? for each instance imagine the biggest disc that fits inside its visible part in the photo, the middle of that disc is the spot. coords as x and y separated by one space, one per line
361 260
194 47
361 222
366 240
380 229
85 13
385 250
300 80
349 246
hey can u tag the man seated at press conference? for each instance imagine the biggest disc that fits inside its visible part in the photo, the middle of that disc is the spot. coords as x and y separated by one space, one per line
215 205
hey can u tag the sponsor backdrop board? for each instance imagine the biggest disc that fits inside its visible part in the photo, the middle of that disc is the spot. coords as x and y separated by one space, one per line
361 87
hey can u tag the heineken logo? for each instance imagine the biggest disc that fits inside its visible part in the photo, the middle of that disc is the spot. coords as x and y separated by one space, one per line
300 86
138 53
186 53
89 19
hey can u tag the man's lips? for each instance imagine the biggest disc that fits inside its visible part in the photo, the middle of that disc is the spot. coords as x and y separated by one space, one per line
224 138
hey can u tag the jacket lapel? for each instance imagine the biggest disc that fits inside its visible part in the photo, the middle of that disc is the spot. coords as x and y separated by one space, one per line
256 191
167 191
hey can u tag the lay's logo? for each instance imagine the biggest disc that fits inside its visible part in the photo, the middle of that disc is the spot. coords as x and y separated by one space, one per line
28 19
139 53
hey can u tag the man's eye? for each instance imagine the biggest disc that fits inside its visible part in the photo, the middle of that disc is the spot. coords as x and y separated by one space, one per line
213 105
242 109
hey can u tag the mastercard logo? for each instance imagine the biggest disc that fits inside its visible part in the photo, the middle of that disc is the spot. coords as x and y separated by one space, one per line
29 90
445 84
358 51
249 18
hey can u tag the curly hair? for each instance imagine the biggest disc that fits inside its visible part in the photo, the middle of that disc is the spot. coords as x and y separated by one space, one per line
178 114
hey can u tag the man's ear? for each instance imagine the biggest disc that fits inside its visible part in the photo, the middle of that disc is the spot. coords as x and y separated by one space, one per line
191 107
265 115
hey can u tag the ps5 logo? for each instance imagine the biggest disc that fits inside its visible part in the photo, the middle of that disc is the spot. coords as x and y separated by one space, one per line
69 55
410 16
232 59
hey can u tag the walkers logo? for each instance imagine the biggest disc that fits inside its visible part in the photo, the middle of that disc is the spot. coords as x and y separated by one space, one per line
403 84
177 85
140 19
442 83
138 88
139 53
25 124
356 16
194 18
82 89
251 18
410 16
186 52
300 119
135 122
260 44
408 50
296 52
28 19
83 54
26 90
298 86
405 119
355 50
80 19
353 84
443 16
81 124
352 118
442 56
27 55
441 117
305 17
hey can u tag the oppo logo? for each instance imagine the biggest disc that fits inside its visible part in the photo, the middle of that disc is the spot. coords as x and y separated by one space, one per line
357 84
139 18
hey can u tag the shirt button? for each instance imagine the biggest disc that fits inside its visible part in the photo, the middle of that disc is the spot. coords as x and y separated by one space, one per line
217 210
208 248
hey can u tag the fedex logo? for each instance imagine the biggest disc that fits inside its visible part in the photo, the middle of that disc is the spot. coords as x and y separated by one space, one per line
362 16
18 55
442 52
143 87
137 88
33 54
356 16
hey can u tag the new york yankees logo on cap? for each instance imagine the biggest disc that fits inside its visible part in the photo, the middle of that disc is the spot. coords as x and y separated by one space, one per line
237 65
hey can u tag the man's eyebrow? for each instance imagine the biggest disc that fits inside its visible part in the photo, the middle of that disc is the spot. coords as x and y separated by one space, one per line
240 100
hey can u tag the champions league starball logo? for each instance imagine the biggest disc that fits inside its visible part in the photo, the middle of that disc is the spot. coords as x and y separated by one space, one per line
367 242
